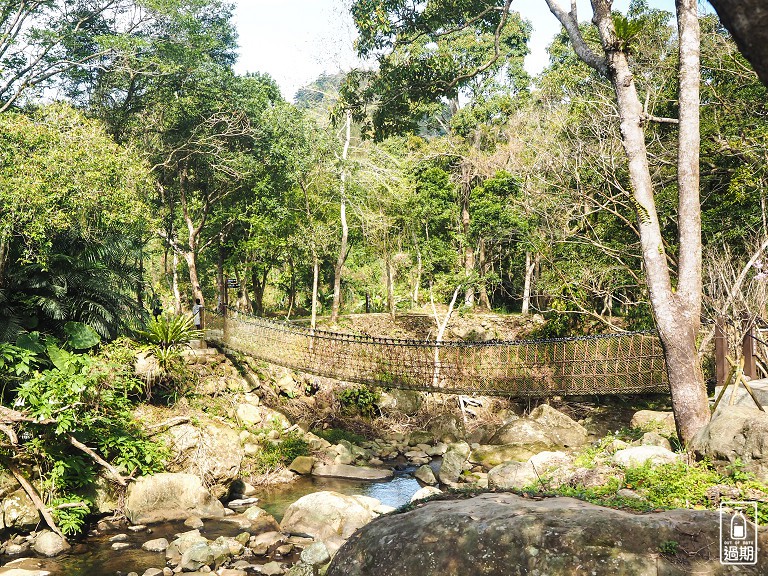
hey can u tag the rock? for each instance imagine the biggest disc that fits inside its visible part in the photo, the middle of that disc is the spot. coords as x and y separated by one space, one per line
654 439
354 472
742 397
156 545
396 401
522 474
315 442
489 455
231 572
17 511
118 538
49 544
120 546
261 520
507 535
636 456
426 492
302 465
301 569
594 477
263 542
242 504
272 569
654 421
210 450
169 496
315 554
193 522
328 516
446 428
147 368
524 433
564 430
453 463
737 433
152 572
197 556
426 475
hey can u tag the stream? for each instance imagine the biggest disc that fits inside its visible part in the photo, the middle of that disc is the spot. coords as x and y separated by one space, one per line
94 556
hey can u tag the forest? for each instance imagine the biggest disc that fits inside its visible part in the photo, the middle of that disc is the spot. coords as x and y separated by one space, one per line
139 172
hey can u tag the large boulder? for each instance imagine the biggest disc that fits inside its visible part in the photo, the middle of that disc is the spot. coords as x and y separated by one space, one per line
636 456
170 496
18 512
564 430
209 450
524 433
396 401
489 455
654 421
737 433
329 516
353 472
507 535
522 474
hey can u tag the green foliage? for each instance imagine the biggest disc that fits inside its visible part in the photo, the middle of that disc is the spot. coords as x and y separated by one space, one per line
673 485
281 452
360 399
167 334
669 547
335 435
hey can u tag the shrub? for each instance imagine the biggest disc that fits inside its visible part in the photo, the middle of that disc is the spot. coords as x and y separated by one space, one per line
335 435
361 399
276 454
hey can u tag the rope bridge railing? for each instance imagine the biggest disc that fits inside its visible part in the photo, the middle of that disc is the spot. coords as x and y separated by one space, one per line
630 363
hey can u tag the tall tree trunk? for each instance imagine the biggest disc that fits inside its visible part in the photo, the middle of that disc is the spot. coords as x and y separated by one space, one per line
221 281
175 284
676 313
315 281
469 254
292 288
389 273
417 282
337 269
259 285
530 266
4 250
485 302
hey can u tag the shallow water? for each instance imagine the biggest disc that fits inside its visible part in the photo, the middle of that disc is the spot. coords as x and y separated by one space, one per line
95 557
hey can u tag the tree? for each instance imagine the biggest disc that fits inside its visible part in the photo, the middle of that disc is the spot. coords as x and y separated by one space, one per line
676 306
746 21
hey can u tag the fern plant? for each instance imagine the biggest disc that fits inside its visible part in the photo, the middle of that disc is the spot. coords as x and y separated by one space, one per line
167 334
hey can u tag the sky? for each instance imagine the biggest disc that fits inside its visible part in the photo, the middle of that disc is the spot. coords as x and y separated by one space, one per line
295 41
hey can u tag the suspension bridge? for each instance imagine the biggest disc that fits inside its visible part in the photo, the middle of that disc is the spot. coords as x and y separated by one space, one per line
625 363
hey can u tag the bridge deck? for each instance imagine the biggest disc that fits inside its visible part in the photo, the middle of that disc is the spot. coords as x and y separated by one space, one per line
629 363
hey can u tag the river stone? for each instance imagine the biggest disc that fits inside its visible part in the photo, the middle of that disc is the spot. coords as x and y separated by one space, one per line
654 421
737 433
328 516
564 430
152 572
260 520
197 556
426 492
193 522
490 455
156 545
636 456
315 554
502 534
272 569
522 474
354 472
425 474
302 465
263 542
453 463
49 543
169 496
447 427
301 569
18 512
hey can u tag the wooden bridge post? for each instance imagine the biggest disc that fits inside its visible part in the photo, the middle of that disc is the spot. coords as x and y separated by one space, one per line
748 349
721 351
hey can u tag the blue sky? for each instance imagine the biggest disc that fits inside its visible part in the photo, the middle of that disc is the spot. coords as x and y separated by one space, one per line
297 40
